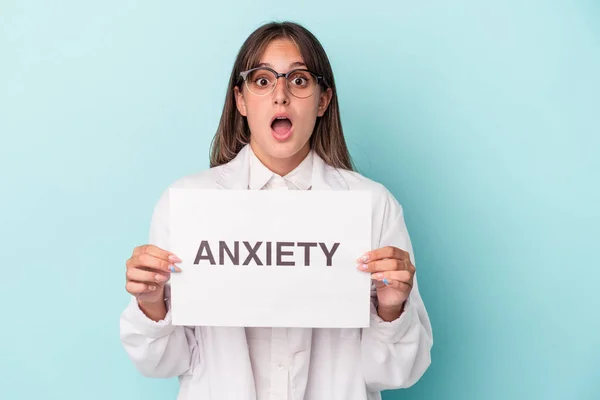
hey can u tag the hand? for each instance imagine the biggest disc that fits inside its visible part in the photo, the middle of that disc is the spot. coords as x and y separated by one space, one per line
393 273
148 269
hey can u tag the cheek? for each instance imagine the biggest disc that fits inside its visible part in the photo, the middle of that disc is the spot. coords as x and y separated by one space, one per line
256 114
309 116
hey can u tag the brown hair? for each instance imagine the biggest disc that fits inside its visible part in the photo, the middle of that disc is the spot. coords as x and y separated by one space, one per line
233 132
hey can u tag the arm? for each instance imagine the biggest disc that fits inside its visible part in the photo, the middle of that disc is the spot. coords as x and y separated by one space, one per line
158 349
155 346
396 354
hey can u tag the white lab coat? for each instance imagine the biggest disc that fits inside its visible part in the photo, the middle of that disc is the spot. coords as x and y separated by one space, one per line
212 363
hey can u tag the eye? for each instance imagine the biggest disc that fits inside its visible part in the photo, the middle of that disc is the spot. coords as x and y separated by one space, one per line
262 81
300 79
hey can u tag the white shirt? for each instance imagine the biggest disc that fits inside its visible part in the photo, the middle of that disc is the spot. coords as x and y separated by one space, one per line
261 178
268 347
216 363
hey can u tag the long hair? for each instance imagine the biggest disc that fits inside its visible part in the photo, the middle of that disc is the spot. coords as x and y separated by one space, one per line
233 133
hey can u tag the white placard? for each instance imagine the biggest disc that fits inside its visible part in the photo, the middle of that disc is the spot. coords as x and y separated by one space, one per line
270 258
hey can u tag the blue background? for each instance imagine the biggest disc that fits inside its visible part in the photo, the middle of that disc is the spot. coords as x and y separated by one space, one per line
482 117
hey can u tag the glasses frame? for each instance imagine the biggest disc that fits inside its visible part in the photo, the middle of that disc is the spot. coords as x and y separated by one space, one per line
320 80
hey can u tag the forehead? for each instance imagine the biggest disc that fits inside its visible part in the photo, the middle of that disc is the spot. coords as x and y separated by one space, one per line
281 53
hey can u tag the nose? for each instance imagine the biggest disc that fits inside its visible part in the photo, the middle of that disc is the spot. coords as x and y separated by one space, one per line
281 94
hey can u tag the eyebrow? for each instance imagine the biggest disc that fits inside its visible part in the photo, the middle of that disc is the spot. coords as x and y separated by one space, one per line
292 65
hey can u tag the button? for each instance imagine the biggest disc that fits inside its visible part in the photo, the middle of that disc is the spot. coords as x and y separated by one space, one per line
280 367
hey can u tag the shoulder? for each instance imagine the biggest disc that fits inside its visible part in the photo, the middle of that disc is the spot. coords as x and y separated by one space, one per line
382 199
205 179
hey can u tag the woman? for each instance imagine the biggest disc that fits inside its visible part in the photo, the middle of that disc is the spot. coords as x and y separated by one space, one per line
280 129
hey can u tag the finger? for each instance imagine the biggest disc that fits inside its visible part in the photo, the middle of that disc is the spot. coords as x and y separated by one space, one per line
391 264
409 267
156 252
394 276
149 261
138 288
383 253
398 285
138 275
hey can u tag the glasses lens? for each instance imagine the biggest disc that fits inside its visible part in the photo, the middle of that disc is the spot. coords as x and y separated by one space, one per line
261 81
302 83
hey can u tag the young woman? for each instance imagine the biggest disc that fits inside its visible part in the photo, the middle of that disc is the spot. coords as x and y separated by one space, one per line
280 129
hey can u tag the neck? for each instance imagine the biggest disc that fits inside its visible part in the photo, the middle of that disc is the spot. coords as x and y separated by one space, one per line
281 166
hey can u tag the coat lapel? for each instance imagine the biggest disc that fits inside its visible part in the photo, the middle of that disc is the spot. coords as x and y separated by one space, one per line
326 177
234 174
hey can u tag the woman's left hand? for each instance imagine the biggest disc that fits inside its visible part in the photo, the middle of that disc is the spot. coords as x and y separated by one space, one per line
393 273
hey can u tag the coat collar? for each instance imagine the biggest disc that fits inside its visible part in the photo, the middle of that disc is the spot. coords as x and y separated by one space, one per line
234 174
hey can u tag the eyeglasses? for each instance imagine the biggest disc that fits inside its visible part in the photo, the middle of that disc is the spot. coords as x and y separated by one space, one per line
301 83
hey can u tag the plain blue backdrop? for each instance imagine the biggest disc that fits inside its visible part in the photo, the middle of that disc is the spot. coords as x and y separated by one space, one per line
482 118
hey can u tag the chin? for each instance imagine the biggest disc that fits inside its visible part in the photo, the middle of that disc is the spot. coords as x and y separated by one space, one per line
283 150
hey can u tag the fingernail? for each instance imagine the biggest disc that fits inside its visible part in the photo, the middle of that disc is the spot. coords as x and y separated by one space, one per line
160 277
174 268
174 258
362 267
151 288
378 275
363 259
386 281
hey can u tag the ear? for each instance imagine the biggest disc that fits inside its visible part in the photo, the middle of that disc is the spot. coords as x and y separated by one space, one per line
240 102
324 100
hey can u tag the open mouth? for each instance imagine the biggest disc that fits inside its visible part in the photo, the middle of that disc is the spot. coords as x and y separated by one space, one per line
282 127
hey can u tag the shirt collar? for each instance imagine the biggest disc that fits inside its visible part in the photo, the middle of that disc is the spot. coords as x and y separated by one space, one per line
300 177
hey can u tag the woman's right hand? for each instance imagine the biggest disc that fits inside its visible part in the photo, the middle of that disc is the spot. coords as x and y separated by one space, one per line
148 269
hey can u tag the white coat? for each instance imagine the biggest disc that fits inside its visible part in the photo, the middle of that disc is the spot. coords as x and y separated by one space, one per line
212 363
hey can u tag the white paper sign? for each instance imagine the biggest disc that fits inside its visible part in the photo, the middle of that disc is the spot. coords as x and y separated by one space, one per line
270 258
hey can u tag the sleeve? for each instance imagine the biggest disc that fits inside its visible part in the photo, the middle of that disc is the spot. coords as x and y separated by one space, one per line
157 349
396 354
